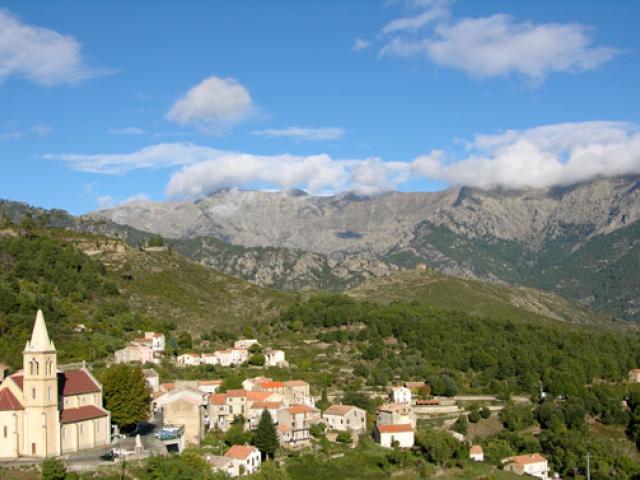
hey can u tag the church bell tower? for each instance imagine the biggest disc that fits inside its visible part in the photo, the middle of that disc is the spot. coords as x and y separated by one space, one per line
40 387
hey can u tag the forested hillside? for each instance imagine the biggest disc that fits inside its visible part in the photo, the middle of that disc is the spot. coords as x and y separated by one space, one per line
415 340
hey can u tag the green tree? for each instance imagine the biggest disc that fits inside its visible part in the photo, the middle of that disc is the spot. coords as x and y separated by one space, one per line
236 435
52 469
155 241
257 359
461 425
255 348
184 341
126 394
485 412
324 403
344 437
269 470
265 436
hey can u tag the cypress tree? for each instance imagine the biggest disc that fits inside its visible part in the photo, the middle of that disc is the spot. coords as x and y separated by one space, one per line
266 437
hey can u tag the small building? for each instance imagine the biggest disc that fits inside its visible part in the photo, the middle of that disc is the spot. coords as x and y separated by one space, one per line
246 459
245 343
152 379
208 386
298 391
395 414
401 395
388 435
157 341
345 418
532 464
189 359
476 453
222 464
135 353
299 419
634 375
188 409
275 358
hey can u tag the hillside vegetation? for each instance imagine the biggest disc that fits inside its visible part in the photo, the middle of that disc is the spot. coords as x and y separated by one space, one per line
474 297
113 290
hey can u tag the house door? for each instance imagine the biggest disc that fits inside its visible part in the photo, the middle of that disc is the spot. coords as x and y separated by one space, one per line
33 449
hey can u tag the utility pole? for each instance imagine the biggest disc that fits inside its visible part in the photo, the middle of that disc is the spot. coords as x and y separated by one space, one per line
588 466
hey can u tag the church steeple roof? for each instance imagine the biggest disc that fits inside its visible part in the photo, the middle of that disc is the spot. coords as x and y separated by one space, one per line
39 341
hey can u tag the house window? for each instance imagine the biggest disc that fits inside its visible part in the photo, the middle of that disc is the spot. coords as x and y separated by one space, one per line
33 393
49 394
5 431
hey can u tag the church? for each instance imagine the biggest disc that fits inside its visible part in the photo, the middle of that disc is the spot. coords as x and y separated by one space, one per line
47 413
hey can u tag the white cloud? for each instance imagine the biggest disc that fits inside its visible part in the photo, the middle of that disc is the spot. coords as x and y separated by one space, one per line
496 45
214 105
433 10
108 201
360 44
327 133
157 156
39 131
541 157
39 54
126 131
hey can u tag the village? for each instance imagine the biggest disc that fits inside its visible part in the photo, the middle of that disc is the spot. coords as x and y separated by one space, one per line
186 412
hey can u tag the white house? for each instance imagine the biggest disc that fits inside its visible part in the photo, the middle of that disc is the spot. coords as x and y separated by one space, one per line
134 353
275 358
157 341
245 343
400 395
189 359
222 464
634 375
476 453
532 464
245 458
345 418
395 414
387 435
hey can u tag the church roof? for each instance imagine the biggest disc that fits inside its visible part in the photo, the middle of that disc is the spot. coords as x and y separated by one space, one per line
72 382
39 341
8 401
76 382
88 412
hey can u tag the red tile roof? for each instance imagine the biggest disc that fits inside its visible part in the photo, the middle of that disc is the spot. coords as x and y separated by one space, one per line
258 396
240 452
76 382
8 401
294 409
88 412
525 459
218 399
271 385
338 409
296 383
236 393
266 405
395 428
475 450
18 378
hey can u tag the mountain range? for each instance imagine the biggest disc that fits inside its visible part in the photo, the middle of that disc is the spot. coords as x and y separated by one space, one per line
580 241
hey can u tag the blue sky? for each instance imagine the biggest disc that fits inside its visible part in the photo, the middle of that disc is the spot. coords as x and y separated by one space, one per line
104 102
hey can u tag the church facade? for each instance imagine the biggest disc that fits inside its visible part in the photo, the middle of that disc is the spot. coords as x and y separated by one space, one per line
47 413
